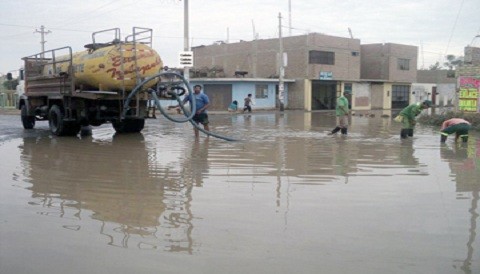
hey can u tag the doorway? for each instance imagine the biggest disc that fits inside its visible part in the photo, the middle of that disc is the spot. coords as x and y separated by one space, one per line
323 95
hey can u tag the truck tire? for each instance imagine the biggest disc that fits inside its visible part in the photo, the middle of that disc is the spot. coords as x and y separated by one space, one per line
128 125
60 127
28 122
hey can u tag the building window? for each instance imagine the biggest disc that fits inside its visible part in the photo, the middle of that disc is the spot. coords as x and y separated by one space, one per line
355 53
347 88
321 57
400 96
261 91
451 74
403 64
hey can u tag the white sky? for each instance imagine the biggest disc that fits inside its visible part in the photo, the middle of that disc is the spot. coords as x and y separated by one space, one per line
437 27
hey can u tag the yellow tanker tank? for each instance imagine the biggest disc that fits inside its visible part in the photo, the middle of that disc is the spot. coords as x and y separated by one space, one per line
103 69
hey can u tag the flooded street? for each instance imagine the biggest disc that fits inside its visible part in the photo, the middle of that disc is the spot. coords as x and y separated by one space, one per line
285 199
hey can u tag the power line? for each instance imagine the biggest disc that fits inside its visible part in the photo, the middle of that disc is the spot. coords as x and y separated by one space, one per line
454 25
87 14
16 35
19 26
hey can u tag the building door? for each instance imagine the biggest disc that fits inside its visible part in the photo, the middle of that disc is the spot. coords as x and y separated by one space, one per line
220 96
323 95
377 96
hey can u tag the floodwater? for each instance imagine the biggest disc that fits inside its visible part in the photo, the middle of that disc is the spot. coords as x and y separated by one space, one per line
286 199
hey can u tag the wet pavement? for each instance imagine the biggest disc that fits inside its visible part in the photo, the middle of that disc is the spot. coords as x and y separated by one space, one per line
286 199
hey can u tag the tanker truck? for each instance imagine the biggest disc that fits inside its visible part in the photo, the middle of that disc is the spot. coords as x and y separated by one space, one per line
89 88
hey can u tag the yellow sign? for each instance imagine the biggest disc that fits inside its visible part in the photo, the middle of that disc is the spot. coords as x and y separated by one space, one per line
468 100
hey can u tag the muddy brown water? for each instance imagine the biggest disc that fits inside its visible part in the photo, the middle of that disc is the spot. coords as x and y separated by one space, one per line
286 199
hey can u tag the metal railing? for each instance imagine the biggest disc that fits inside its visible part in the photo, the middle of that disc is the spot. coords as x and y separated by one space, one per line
8 99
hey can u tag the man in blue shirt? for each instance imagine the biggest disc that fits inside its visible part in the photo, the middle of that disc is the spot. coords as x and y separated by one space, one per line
202 103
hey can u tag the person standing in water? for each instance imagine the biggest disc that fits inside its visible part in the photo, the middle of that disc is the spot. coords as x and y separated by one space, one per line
341 111
202 102
407 117
248 103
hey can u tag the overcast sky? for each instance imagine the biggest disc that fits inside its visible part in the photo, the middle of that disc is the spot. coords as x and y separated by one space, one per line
437 27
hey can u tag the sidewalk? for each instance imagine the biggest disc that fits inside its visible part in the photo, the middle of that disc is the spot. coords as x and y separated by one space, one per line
9 111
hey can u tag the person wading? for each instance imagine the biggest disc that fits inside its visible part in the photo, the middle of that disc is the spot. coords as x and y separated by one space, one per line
202 103
247 104
407 117
341 111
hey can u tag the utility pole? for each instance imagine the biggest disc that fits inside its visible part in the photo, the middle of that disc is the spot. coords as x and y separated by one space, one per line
186 46
280 59
255 52
42 39
289 18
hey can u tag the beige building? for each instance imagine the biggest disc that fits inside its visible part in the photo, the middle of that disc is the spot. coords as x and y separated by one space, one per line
322 66
391 69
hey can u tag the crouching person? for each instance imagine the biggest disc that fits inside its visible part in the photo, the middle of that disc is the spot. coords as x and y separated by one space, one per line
455 125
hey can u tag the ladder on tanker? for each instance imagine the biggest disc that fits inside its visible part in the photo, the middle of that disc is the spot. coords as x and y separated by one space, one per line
139 36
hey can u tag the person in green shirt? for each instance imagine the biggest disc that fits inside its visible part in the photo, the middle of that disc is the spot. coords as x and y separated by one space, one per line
407 117
341 111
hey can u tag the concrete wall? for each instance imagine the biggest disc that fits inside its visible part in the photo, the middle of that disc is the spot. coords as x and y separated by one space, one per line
436 76
361 96
468 70
387 96
472 56
421 92
259 57
379 62
378 94
374 62
405 52
446 95
307 92
347 58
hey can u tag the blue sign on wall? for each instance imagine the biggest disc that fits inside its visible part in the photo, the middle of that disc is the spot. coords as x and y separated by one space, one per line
326 75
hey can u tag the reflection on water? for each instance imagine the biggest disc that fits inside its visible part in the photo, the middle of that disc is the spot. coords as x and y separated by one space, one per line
464 163
365 201
114 182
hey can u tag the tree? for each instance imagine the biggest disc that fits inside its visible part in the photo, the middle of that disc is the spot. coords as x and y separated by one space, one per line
435 66
453 62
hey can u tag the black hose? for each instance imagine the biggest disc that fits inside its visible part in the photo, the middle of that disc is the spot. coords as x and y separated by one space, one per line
193 107
185 111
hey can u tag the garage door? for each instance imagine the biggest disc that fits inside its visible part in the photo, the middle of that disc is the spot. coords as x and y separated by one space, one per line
220 96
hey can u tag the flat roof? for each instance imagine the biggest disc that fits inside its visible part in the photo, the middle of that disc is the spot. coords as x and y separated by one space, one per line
233 79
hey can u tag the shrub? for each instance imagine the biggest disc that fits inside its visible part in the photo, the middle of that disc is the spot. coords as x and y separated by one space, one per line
437 119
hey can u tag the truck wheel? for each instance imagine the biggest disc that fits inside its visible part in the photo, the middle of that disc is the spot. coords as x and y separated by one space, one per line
27 121
128 125
55 120
59 126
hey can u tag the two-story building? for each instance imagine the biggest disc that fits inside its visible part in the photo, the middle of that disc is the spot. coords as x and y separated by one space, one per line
320 68
389 69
